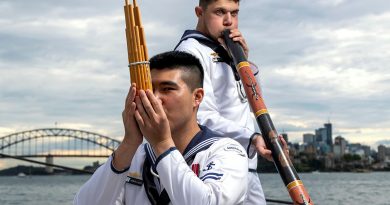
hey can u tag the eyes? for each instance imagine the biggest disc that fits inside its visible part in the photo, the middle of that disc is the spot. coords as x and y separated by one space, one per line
164 89
167 89
222 12
165 86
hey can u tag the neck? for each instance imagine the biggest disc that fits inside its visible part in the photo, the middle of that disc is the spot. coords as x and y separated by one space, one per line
200 27
184 135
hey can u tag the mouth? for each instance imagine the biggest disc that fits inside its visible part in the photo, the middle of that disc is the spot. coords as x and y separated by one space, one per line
224 30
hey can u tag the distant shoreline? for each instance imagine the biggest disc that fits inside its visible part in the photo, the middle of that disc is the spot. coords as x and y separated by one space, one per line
31 170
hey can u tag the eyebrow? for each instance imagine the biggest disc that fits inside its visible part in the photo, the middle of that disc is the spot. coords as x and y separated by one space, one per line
225 10
170 83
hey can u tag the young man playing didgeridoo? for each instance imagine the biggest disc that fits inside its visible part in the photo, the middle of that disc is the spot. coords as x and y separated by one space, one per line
225 108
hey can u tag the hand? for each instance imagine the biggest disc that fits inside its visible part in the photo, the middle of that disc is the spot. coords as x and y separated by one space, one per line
262 149
236 36
133 135
153 122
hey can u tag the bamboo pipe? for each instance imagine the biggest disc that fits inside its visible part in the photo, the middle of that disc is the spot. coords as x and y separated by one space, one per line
136 47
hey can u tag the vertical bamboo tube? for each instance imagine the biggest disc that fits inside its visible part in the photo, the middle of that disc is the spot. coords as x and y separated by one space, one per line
136 47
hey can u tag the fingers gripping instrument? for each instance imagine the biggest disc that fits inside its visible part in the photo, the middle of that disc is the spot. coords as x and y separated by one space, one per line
291 180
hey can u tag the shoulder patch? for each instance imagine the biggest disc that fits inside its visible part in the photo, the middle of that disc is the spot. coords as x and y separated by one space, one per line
234 148
134 181
134 178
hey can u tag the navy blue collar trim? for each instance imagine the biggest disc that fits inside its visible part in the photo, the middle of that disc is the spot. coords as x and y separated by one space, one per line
197 35
150 155
214 45
201 141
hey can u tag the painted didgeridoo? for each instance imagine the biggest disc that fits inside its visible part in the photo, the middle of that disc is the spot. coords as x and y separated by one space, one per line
286 169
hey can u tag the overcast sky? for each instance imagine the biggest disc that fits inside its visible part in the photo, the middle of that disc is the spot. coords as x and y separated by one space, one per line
320 60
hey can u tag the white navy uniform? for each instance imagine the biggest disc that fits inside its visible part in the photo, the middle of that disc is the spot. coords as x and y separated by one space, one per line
224 108
212 170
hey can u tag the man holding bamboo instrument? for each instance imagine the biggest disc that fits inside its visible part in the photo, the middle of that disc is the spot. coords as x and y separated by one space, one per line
182 163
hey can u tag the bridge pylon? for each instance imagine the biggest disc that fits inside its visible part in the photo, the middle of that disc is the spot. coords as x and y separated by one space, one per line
49 160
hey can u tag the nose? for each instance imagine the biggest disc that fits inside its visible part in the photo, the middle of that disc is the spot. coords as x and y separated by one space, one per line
227 20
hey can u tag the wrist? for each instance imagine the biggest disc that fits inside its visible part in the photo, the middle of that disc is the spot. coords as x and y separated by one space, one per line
114 167
162 146
123 155
130 143
254 138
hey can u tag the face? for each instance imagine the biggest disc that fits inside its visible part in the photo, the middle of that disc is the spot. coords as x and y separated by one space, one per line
218 16
178 101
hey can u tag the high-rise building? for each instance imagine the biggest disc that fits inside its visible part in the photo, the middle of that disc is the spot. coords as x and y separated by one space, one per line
328 137
320 135
382 153
339 146
309 138
324 138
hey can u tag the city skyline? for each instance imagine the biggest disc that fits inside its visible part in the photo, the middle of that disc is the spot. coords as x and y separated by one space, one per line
321 136
64 63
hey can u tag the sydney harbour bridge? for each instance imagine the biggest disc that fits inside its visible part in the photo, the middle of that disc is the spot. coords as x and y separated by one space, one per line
50 143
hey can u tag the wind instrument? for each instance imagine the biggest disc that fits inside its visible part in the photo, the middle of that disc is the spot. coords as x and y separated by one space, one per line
286 169
136 47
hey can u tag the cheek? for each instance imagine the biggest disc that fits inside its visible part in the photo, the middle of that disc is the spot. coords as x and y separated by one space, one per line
235 23
214 21
215 31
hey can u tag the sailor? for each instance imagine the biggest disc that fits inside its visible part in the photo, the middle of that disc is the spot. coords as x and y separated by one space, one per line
182 162
225 108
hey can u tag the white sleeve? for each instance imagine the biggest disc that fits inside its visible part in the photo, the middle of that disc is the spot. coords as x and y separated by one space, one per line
225 182
103 188
209 116
208 113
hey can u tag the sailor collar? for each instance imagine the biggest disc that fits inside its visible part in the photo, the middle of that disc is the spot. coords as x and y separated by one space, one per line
219 52
201 141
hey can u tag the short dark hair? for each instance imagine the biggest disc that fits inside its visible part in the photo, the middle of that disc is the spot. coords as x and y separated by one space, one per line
205 3
182 61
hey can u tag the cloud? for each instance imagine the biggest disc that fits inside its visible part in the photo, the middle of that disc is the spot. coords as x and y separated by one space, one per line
316 68
66 62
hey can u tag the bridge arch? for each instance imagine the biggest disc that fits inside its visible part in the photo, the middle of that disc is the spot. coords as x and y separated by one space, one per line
105 142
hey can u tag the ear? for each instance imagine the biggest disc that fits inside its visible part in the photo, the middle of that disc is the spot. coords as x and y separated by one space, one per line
198 11
198 96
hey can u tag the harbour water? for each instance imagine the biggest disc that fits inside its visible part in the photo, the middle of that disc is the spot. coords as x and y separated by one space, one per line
335 188
324 188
